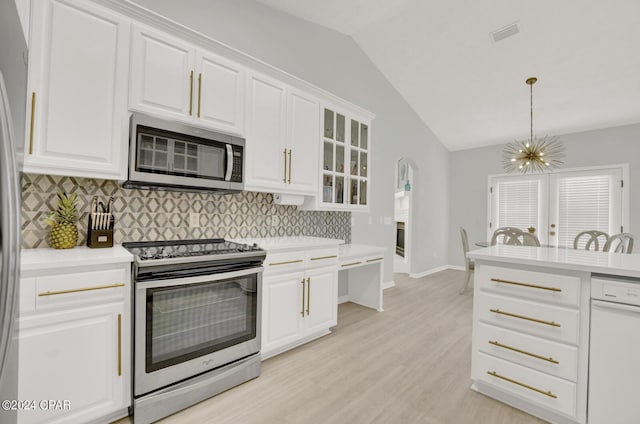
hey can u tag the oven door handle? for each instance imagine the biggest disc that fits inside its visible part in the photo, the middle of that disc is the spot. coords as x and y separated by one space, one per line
172 282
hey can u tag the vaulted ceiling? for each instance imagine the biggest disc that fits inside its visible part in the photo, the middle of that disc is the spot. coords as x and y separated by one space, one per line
469 89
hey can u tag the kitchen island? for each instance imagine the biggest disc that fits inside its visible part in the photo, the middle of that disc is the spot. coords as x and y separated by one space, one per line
531 323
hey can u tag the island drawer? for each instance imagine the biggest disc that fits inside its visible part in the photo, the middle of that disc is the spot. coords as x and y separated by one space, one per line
547 321
549 392
547 287
553 358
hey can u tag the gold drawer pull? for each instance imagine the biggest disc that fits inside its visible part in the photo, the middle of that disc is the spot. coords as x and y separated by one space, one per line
324 257
549 359
110 286
373 260
191 93
526 386
303 286
533 286
551 323
33 112
352 263
285 262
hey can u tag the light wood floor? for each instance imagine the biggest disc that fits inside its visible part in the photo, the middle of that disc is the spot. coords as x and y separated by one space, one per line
408 364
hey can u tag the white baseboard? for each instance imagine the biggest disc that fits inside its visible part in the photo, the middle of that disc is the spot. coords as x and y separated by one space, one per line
438 269
343 299
388 284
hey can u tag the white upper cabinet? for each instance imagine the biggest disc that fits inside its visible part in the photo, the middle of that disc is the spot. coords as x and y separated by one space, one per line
174 79
344 158
282 138
77 119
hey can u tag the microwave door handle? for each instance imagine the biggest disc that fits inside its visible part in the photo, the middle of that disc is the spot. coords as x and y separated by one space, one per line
227 177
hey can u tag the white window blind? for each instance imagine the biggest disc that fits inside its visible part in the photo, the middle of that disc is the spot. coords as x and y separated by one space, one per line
584 203
518 204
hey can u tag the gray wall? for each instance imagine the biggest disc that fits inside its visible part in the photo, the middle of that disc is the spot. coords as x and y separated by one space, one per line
470 169
334 62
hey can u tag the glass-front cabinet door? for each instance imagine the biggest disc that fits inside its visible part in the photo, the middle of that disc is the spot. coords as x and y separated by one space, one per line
345 161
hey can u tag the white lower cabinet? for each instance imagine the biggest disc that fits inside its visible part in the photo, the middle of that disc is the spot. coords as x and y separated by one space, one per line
74 338
530 340
299 298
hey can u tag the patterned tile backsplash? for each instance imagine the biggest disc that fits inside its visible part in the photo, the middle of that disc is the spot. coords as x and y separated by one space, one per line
164 215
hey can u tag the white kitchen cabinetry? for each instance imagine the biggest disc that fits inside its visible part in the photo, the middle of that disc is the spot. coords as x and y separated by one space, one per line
299 298
530 340
172 78
77 118
282 138
74 330
345 158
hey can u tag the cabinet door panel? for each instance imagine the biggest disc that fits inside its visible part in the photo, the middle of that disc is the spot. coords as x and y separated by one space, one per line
321 300
221 96
304 140
281 312
161 81
71 356
78 74
266 134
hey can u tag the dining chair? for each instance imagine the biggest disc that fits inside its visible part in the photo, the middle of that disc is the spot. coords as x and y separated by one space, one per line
514 236
619 243
469 266
593 236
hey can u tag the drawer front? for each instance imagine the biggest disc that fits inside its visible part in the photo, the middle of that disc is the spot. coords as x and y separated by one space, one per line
543 286
541 389
284 262
316 258
543 355
552 322
79 288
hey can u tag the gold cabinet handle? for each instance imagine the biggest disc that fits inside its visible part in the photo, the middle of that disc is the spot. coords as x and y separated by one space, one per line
526 386
285 262
352 263
524 352
551 323
373 260
51 293
119 345
33 118
324 257
533 286
284 168
199 91
308 294
302 311
289 181
191 94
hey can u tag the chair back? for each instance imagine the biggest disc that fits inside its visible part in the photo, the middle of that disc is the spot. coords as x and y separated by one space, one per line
592 237
514 236
465 246
619 243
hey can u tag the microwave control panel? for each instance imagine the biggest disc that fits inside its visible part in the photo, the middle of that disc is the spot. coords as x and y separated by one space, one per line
236 173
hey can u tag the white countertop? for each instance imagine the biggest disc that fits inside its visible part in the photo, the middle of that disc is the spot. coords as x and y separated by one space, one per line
289 243
35 259
552 257
350 251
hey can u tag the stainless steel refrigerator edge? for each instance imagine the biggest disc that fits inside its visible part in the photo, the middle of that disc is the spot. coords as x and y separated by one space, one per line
13 83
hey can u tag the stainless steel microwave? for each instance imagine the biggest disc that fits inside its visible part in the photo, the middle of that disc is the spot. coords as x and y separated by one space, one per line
175 156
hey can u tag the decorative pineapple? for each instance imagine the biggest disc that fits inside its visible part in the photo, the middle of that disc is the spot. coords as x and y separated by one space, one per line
64 231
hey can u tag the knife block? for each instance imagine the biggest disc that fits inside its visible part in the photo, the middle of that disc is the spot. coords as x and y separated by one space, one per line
100 238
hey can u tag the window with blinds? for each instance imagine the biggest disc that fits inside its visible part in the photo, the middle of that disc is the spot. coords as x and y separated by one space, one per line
584 203
518 204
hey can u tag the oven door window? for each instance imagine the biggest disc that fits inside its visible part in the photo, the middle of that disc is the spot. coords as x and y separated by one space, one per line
185 322
160 153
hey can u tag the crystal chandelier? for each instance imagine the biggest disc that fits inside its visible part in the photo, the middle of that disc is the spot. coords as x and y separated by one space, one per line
535 154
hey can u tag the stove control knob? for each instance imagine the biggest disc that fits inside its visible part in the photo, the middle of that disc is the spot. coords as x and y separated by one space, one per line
146 253
254 245
164 253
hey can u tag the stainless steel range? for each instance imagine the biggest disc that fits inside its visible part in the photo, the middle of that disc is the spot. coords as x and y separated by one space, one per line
196 321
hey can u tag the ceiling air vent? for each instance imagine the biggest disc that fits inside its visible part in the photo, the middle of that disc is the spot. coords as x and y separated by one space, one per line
506 32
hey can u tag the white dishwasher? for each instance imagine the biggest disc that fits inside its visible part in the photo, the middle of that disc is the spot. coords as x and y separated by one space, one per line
614 356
